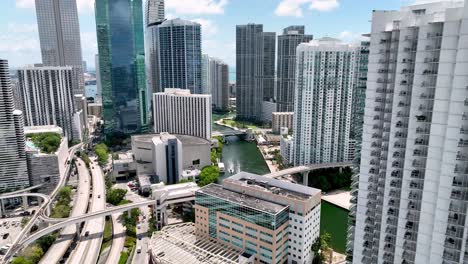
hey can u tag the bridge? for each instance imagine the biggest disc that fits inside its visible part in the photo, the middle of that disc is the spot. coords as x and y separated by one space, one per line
61 223
304 170
229 133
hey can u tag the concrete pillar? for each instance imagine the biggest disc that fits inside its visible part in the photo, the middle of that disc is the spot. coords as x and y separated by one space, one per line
305 178
341 170
78 233
25 202
2 208
48 209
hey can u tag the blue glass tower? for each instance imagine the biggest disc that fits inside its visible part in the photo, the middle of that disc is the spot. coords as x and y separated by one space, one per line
119 27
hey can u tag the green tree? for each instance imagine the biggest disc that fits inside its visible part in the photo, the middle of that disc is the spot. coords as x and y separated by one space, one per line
102 153
214 157
21 260
46 242
64 195
209 174
321 248
48 142
34 254
61 211
24 221
115 196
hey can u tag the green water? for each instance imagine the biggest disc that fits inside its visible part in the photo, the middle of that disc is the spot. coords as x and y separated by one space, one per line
334 220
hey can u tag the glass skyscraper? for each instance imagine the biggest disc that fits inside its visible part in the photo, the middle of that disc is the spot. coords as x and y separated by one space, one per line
59 34
119 26
175 55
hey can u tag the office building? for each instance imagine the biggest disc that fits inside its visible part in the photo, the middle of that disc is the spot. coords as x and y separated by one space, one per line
255 67
98 80
286 66
412 186
13 168
48 97
215 81
282 120
154 11
45 167
286 222
185 153
177 111
125 99
322 108
59 35
80 117
174 55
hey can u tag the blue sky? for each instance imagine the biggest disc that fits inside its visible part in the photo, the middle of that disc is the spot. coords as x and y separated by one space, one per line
345 19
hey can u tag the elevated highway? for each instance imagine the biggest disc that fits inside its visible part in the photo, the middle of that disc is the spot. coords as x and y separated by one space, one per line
304 170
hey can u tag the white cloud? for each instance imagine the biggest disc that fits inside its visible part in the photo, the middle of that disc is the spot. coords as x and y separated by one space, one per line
224 50
21 28
294 7
196 7
350 37
417 2
89 47
84 6
207 26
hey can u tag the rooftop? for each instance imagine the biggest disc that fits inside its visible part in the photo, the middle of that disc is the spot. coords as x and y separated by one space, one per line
185 139
177 244
274 186
218 191
42 129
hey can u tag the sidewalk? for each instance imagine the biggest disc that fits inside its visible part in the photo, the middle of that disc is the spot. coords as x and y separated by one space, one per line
339 198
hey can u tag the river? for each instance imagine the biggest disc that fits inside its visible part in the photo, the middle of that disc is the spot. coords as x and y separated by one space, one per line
240 155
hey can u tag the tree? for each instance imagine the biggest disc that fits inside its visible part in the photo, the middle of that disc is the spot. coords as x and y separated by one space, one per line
24 221
34 254
209 174
21 260
102 153
64 195
61 211
214 157
321 248
115 196
46 242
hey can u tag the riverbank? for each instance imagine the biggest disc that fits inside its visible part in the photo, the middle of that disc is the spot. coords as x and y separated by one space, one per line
340 198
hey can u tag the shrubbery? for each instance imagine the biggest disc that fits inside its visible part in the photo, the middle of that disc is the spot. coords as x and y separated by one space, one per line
330 179
62 207
102 152
47 142
209 174
115 196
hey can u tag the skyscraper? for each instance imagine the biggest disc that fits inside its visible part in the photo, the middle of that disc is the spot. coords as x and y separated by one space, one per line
255 66
286 66
174 58
13 169
177 111
47 97
119 26
59 34
322 107
412 197
215 81
154 11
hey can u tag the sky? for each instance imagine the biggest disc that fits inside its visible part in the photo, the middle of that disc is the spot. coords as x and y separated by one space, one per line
343 19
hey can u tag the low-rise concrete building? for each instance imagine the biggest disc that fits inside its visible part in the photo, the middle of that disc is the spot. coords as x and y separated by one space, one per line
45 168
124 165
167 156
282 119
95 109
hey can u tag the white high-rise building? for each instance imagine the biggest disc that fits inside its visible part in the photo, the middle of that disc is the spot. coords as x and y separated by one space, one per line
13 168
177 111
323 96
412 197
215 81
154 11
47 96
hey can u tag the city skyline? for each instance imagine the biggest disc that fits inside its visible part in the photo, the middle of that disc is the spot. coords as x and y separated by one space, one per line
218 18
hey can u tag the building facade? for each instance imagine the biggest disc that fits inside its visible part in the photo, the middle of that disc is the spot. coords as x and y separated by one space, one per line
215 81
47 94
273 220
322 115
59 35
282 119
177 111
255 67
154 11
45 168
286 66
13 168
412 196
286 149
174 55
125 99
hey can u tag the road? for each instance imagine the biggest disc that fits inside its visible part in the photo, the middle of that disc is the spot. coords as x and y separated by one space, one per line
58 249
118 240
142 233
17 243
87 250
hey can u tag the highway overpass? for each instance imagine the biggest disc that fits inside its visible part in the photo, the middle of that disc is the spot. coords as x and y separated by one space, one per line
304 170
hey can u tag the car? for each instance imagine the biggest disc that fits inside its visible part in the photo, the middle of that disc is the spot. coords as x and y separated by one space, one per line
5 236
99 196
86 234
139 226
138 249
